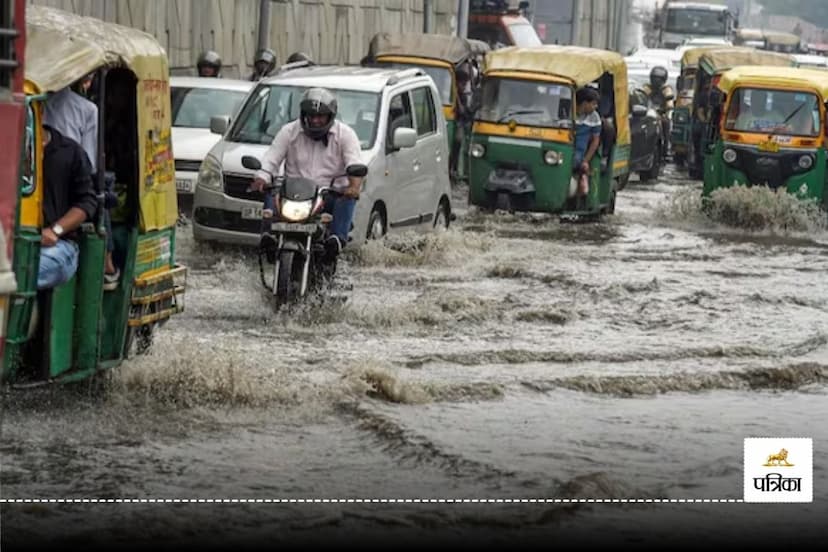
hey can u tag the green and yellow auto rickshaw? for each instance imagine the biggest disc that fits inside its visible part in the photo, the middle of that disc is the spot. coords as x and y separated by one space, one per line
77 329
711 66
680 133
523 136
440 56
769 130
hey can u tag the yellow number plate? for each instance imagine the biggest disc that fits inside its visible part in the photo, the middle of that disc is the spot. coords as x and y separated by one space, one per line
769 145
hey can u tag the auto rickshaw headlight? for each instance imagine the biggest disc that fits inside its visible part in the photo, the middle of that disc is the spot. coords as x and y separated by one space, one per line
729 155
806 162
552 158
477 150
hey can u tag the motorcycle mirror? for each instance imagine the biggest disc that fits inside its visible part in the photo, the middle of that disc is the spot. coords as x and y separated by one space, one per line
358 170
250 162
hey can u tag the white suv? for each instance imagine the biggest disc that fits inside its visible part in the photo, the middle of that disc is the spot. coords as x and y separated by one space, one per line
398 118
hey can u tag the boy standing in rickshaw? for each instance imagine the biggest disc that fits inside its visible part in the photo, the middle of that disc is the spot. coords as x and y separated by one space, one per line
587 136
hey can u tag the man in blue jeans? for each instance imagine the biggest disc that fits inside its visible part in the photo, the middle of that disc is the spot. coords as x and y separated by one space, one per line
318 147
68 200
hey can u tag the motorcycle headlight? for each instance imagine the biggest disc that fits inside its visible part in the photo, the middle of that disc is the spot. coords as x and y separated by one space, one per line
806 162
552 158
209 174
729 155
295 211
477 150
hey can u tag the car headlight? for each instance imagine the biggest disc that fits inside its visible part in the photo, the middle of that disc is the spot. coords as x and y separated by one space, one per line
296 210
729 155
477 150
209 174
552 158
806 162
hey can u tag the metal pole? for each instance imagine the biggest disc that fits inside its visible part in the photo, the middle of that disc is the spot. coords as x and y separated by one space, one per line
463 18
576 22
264 24
427 17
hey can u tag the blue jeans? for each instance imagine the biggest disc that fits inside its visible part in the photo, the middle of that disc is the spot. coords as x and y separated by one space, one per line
57 264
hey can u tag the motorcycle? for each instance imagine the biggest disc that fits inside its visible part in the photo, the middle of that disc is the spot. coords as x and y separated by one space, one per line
294 235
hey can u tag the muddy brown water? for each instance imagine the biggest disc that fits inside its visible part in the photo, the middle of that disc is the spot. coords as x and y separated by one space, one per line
512 357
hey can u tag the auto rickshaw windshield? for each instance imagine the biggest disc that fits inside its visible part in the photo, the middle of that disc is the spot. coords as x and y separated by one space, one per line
529 103
780 112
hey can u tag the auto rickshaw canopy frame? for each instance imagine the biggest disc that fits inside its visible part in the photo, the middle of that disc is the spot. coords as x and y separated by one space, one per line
793 78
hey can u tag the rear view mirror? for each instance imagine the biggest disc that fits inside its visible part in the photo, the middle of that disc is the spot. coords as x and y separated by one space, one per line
250 162
639 110
219 124
358 170
404 138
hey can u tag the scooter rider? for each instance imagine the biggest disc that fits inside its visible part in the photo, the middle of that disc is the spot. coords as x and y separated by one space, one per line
319 147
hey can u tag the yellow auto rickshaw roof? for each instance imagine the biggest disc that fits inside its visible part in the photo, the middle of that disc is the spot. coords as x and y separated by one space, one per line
450 48
722 59
785 77
690 58
578 64
62 47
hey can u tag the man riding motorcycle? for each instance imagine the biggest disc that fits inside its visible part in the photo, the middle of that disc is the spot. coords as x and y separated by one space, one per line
661 95
319 147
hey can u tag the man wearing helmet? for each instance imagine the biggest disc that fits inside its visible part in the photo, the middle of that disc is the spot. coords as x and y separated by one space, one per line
209 64
264 64
299 56
318 147
661 97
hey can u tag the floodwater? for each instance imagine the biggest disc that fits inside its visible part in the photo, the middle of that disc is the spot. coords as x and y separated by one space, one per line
512 357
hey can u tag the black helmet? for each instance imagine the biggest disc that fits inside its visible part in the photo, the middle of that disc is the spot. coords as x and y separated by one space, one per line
658 77
299 56
317 101
268 56
209 59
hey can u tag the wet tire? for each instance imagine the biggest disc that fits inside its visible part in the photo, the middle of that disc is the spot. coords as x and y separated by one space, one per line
376 225
442 219
285 286
679 159
655 170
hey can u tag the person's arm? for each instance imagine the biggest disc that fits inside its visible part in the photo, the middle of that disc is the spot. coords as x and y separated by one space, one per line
82 196
272 159
351 150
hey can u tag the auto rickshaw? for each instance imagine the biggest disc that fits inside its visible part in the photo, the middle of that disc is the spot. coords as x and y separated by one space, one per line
769 131
77 329
523 137
711 66
680 134
440 56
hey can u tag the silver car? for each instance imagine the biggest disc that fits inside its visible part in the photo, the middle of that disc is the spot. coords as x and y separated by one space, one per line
195 100
398 118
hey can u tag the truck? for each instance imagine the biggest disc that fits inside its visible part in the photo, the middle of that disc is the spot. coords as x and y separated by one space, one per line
678 22
499 24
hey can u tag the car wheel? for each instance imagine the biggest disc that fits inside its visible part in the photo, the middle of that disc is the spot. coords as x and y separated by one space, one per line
376 225
442 219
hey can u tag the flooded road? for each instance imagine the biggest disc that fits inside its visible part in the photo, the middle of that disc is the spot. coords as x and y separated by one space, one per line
512 357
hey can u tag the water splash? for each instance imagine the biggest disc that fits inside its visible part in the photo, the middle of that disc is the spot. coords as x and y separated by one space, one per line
415 250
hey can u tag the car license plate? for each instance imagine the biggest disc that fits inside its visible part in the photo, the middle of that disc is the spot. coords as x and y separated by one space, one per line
291 227
769 145
251 213
183 185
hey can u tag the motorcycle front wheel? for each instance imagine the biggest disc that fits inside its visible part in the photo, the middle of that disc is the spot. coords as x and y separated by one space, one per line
286 288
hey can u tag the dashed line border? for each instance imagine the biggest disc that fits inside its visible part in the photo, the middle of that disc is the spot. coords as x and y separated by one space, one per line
367 500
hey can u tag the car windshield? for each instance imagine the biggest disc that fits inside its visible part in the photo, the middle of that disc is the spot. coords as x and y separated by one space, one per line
193 107
774 111
530 103
440 75
702 22
269 108
524 35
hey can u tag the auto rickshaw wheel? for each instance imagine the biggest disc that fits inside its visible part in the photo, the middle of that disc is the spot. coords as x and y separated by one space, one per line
679 159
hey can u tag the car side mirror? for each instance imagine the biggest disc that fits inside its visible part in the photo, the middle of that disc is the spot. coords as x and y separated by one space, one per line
404 138
639 110
219 124
250 162
357 170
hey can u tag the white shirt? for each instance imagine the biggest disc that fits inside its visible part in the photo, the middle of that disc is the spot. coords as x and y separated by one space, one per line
74 117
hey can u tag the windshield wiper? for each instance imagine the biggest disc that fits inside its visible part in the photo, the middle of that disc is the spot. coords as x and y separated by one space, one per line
795 111
513 113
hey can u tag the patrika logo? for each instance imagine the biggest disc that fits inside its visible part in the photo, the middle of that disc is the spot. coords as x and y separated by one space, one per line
784 476
780 459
